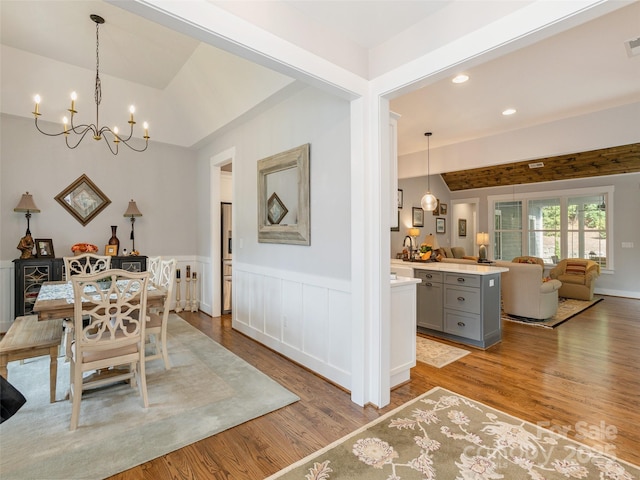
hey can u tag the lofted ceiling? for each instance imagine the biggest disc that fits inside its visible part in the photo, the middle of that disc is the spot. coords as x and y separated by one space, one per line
188 90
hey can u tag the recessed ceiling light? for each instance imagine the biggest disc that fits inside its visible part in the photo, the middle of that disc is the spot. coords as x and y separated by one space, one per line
460 78
509 111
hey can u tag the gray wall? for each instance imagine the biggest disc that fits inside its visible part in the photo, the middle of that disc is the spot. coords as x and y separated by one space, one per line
308 116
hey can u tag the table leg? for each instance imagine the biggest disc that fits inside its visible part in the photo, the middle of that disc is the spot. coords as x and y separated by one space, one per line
53 373
3 366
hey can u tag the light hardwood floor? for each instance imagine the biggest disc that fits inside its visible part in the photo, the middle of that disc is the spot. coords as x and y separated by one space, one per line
582 377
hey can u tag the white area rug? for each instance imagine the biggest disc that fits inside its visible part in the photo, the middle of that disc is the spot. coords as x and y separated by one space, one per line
208 390
437 354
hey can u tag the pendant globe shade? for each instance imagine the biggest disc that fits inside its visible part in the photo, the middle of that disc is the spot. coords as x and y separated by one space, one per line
429 200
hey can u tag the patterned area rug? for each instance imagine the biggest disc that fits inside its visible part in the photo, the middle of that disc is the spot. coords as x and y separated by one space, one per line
437 354
442 435
207 390
567 308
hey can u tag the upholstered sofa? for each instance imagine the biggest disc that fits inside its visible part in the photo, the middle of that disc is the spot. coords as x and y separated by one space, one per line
578 277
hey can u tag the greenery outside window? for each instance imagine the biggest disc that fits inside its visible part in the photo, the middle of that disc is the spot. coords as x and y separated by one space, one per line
554 225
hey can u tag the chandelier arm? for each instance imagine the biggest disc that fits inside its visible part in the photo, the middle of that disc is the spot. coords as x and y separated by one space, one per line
104 137
146 144
46 133
82 135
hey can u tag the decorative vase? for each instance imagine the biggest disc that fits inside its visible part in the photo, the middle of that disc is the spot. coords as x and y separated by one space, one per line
114 240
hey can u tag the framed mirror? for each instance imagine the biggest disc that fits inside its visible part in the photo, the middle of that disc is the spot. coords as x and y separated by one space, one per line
283 197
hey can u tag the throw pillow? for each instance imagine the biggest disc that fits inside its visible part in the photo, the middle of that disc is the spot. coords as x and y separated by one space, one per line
576 268
526 260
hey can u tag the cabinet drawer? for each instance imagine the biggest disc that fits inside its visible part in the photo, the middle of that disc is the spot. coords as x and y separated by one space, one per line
462 298
461 279
428 276
463 324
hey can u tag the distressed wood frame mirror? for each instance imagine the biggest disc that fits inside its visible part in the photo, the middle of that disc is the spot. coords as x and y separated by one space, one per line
283 197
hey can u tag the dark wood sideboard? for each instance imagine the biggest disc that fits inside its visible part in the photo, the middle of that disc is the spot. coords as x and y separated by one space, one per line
31 273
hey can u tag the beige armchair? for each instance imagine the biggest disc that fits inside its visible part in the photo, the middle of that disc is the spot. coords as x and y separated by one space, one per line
578 277
525 294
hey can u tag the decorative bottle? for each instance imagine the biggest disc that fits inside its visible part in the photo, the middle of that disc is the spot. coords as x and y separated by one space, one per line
114 240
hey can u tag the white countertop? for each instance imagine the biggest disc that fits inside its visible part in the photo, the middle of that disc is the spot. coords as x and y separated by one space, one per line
399 281
475 269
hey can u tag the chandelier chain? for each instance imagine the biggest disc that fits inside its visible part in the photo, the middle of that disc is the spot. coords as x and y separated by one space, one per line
98 92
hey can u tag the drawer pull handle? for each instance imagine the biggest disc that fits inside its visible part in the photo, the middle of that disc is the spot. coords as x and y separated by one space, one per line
461 324
461 299
429 276
429 284
461 280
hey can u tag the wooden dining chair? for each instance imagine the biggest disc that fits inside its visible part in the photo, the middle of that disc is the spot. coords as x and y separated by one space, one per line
153 267
113 337
157 321
83 264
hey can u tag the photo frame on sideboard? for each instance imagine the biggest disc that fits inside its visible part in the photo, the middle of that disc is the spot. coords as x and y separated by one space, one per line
44 248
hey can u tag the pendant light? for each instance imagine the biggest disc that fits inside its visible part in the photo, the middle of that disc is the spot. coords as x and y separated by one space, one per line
429 201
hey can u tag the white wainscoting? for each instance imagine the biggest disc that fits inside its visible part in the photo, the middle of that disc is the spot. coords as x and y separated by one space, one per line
304 317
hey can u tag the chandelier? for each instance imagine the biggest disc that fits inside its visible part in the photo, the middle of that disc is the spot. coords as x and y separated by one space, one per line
98 133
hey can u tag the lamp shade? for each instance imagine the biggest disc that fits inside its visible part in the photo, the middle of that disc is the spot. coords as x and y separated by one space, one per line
132 210
26 204
482 238
414 232
429 202
432 241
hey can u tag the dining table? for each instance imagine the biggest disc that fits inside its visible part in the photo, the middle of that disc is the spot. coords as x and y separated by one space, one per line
55 299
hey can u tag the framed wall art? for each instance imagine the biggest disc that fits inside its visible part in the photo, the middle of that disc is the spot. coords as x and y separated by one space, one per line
436 211
283 197
441 225
44 248
400 198
462 227
83 200
417 217
443 209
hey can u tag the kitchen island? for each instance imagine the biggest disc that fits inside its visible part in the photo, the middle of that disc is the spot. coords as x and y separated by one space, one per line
459 302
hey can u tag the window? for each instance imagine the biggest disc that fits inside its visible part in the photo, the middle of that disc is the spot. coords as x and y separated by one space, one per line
554 225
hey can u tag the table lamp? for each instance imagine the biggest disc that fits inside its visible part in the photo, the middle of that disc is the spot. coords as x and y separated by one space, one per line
26 204
482 239
414 233
132 211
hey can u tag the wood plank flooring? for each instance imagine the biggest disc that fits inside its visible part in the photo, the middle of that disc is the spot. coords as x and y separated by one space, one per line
581 378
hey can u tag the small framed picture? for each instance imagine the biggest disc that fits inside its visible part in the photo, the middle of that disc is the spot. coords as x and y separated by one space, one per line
418 217
400 199
441 225
397 227
443 209
462 227
436 211
44 248
111 250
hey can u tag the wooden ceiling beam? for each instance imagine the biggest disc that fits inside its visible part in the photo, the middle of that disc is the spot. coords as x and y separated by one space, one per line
594 163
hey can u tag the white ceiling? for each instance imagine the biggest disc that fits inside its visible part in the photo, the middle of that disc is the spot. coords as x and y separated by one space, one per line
187 90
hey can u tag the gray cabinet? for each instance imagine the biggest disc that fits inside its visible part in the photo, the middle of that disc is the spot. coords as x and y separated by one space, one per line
460 307
429 300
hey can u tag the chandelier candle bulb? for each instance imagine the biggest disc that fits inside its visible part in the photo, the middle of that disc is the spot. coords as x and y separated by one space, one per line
65 120
132 110
146 129
74 96
37 100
